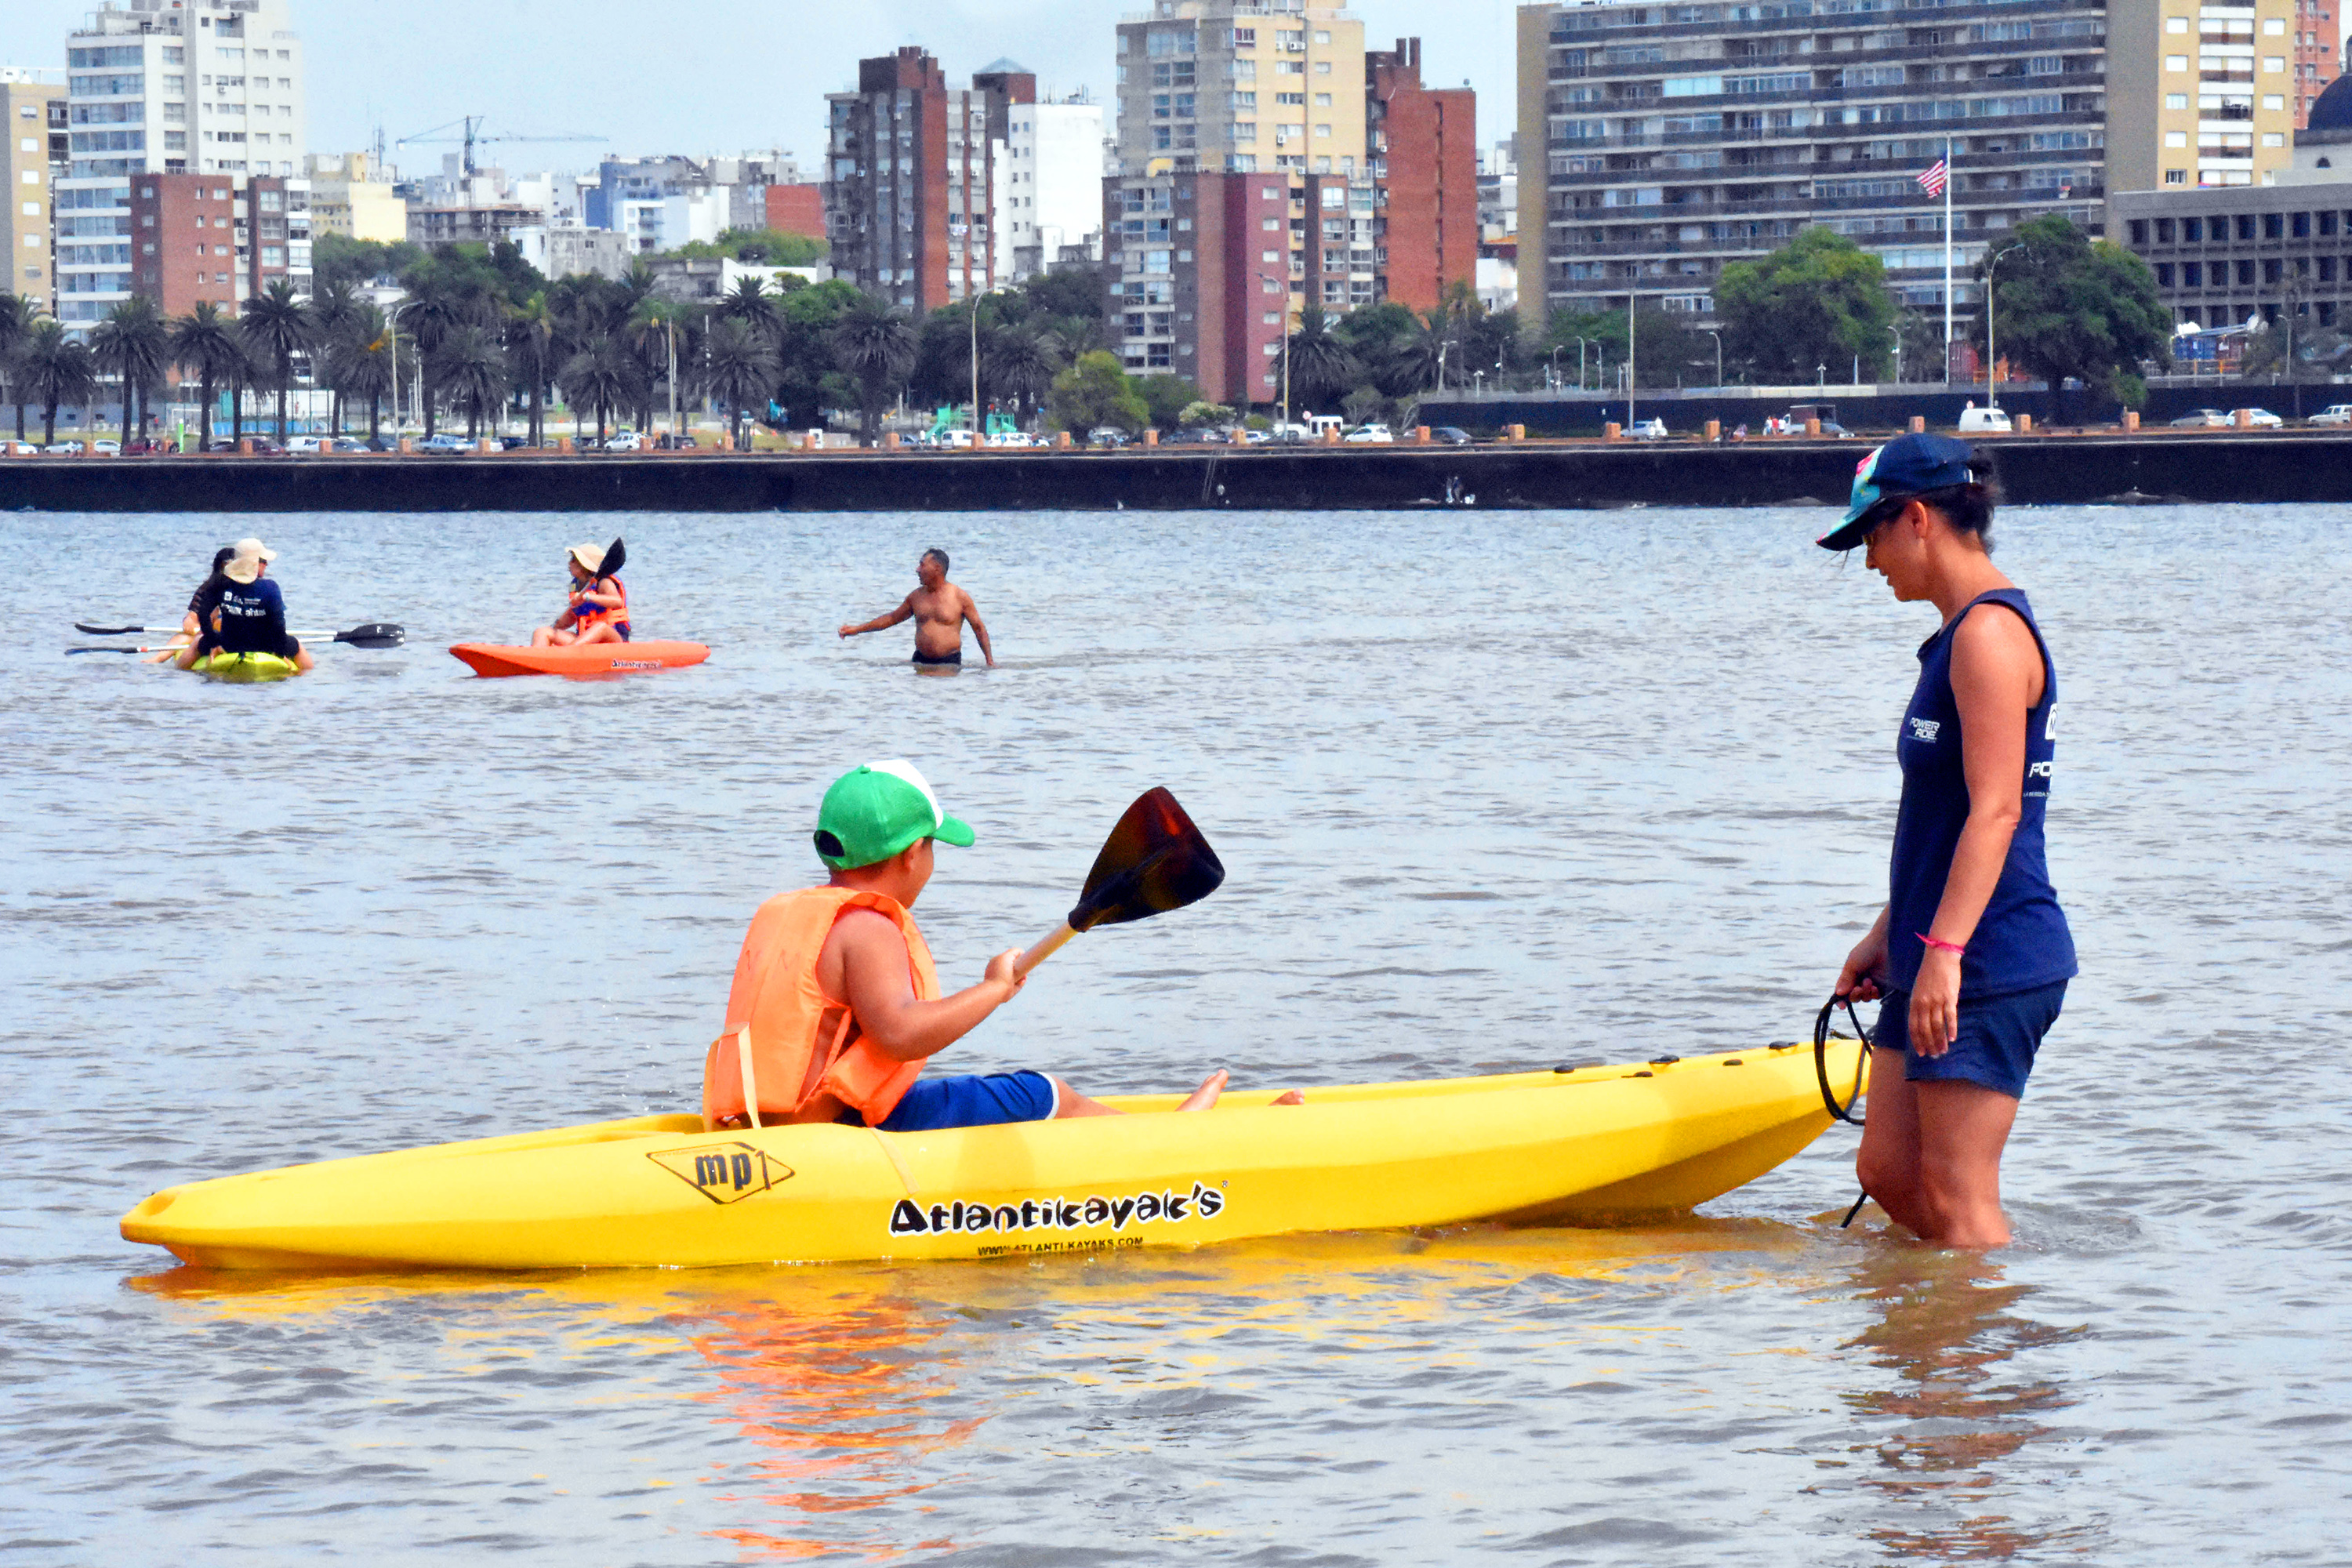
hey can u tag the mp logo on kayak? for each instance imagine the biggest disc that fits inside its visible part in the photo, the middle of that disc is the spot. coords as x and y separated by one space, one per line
909 1218
723 1172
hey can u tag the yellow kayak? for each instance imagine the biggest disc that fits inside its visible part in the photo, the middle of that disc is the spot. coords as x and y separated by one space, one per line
1584 1147
244 668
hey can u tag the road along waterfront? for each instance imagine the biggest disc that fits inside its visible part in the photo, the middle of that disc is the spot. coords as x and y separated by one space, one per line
1493 791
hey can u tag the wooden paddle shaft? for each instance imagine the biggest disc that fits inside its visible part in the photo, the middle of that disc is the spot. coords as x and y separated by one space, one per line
1044 948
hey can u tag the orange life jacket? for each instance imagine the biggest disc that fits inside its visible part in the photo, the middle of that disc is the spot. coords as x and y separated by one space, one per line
785 1040
586 614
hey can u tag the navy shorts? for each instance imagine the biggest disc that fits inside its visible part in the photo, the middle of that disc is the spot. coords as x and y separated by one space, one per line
974 1101
1999 1037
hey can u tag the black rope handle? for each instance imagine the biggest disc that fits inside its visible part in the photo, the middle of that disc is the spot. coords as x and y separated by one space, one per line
1821 1059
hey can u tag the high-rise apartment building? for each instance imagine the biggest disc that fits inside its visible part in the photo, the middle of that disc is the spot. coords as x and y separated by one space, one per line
349 198
2318 53
1050 207
32 110
914 174
1266 163
186 249
165 87
1678 139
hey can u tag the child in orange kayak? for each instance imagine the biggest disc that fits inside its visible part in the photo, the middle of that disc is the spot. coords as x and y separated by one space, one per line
599 610
836 1006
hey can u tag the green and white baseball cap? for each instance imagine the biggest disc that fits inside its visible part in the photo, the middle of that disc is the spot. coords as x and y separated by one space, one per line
872 812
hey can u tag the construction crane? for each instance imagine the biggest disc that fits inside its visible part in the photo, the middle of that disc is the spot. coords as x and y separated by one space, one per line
471 135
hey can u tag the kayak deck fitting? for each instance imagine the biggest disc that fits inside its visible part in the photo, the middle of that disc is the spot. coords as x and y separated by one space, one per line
593 659
1584 1147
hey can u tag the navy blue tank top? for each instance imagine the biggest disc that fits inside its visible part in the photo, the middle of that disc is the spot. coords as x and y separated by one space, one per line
2022 941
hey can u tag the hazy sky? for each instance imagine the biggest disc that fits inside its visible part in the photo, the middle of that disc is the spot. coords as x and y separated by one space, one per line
719 76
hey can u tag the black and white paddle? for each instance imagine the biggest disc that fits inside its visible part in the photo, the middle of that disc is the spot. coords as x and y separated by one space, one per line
373 634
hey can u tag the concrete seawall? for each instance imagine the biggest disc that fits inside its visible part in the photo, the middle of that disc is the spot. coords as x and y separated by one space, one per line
2219 465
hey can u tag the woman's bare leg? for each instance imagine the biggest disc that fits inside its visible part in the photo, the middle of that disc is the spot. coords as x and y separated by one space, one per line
601 632
1074 1104
1888 1162
1963 1128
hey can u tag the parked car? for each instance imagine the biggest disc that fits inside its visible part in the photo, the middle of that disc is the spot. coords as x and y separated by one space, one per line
143 446
1008 439
1452 436
625 441
1655 429
1978 421
2334 413
63 448
444 444
1199 436
106 446
1107 437
19 449
1370 435
306 444
675 441
2201 419
2260 418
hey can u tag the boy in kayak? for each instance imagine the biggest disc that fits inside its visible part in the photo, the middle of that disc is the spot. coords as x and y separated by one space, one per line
939 609
599 610
835 1005
249 615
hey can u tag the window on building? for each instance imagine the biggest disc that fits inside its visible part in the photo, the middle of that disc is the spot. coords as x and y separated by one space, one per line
2175 176
2192 275
2300 225
2164 274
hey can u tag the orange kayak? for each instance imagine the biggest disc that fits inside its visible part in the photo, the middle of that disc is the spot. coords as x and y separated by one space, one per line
596 658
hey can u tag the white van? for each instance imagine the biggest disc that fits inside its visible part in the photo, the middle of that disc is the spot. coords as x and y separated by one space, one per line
1975 419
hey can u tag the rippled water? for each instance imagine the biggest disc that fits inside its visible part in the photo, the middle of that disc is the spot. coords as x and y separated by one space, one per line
1495 790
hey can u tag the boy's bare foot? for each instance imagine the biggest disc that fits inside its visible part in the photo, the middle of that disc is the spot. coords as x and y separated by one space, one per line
1290 1097
1205 1096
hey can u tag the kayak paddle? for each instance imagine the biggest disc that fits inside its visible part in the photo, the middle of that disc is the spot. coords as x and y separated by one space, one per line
1155 860
375 633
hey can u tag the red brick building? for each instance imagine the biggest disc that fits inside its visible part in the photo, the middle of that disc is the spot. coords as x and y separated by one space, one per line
2318 53
1423 146
910 179
186 235
796 209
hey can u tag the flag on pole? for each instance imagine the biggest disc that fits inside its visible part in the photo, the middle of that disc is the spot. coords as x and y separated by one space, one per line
1933 181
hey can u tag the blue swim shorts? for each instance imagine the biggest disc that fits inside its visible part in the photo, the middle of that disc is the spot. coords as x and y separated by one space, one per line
987 1099
1999 1037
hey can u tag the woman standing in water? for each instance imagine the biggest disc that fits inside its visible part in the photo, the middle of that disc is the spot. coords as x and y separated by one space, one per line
1971 953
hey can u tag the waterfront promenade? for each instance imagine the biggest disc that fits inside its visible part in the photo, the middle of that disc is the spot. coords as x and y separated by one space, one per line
2036 469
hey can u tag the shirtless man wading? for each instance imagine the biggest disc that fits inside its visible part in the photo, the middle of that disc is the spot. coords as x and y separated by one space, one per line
939 609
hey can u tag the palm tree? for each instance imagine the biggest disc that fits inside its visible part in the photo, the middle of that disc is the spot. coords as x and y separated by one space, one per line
1022 362
750 303
277 324
18 313
334 311
205 341
57 369
531 333
472 368
1413 359
600 375
437 310
1322 366
875 344
361 363
134 344
737 366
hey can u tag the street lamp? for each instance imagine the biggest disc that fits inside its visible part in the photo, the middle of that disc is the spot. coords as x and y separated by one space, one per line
1993 398
1580 362
1478 383
1717 336
975 369
1555 366
1284 285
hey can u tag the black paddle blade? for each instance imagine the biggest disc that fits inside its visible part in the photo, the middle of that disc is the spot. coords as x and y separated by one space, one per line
615 558
88 631
375 633
1155 860
71 651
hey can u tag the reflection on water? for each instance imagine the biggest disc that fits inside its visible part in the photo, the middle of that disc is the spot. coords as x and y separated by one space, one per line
1493 792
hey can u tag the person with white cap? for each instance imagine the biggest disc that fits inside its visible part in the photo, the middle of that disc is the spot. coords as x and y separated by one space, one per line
249 615
599 610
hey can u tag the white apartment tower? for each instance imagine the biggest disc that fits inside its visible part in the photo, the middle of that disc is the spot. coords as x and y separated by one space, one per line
1051 199
175 87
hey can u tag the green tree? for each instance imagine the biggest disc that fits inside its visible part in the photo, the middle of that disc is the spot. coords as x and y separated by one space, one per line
1323 368
1217 416
204 341
873 344
2065 305
531 333
738 366
1022 362
57 369
18 313
810 382
1165 398
470 367
1078 292
359 363
338 258
133 344
600 375
1095 393
278 325
1664 348
1819 301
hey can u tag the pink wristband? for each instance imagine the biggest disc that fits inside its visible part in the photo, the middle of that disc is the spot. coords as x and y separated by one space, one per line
1939 942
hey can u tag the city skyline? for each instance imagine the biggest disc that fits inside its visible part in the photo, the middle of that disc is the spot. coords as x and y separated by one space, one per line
668 89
